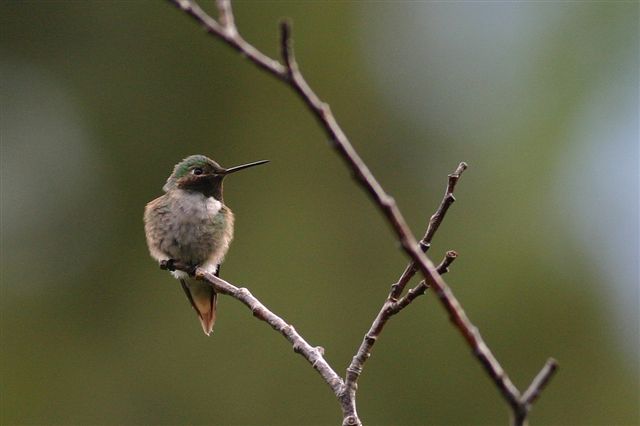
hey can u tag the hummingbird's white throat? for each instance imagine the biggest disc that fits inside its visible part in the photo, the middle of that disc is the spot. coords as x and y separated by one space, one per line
213 205
196 205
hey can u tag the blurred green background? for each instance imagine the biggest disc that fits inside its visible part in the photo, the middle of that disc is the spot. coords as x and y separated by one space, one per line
99 99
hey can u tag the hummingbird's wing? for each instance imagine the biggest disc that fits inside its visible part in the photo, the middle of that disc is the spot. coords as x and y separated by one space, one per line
203 299
157 227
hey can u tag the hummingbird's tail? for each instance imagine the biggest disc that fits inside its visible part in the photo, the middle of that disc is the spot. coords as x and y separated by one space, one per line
203 299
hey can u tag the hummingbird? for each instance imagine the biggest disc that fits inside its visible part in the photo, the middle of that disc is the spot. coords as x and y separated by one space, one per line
190 223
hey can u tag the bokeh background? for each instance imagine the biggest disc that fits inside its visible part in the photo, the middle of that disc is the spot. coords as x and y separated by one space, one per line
99 99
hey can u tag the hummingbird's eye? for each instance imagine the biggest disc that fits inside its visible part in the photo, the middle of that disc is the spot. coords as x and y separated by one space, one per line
197 171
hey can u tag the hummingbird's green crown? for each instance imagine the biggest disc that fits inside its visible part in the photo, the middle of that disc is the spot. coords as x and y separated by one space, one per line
194 164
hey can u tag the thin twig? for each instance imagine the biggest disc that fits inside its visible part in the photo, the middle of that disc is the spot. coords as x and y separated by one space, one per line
315 355
533 392
540 381
519 417
434 223
392 305
231 37
290 74
389 309
422 287
225 16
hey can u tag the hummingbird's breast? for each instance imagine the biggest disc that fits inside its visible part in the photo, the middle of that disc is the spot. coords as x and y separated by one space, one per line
191 227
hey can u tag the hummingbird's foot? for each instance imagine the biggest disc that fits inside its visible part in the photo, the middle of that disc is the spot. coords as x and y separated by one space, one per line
168 265
174 265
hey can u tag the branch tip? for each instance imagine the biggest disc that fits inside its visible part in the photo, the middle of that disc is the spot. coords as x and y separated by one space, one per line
285 28
449 257
459 170
286 46
540 382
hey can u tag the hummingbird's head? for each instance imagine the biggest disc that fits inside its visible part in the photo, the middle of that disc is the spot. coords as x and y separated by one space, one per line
199 173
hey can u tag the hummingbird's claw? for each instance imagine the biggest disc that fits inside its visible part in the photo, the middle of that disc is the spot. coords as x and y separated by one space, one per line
173 265
168 265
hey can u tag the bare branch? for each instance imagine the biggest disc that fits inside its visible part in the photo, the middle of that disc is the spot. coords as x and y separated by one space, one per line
286 47
540 382
315 355
232 39
422 287
392 305
449 257
225 16
291 75
519 417
389 308
447 200
434 223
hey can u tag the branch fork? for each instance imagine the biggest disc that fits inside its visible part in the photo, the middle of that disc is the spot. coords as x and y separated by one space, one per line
225 29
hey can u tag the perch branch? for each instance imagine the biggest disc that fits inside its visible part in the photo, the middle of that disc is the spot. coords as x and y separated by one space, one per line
290 74
315 355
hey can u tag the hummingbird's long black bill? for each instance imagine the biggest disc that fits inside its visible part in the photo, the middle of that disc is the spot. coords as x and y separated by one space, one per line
244 166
